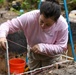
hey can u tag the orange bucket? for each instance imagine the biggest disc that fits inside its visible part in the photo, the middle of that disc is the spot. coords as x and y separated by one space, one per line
17 65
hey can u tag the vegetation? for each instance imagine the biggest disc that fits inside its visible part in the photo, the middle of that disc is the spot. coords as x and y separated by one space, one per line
25 4
1 1
33 4
30 4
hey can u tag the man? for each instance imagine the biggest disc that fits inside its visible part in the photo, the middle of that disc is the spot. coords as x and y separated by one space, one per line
46 32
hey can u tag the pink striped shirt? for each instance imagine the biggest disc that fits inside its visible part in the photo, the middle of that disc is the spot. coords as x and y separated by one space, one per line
51 41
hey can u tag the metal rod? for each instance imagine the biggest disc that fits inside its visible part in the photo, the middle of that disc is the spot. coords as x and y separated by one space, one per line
7 56
39 4
69 28
17 44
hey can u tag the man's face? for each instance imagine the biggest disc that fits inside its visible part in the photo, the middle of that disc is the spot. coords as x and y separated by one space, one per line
45 22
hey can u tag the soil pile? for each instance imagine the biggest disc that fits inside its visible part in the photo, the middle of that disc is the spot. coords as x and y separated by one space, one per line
63 69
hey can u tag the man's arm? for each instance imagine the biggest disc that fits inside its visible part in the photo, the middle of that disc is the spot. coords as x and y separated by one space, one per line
59 47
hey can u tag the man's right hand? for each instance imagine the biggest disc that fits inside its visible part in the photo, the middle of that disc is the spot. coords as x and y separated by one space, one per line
3 43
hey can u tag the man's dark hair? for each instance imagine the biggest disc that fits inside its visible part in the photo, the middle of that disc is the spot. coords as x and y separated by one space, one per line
50 10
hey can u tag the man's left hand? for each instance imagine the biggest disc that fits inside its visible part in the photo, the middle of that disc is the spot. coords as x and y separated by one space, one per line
36 49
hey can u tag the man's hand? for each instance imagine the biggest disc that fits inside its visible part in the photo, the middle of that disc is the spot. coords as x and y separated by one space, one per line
2 43
36 49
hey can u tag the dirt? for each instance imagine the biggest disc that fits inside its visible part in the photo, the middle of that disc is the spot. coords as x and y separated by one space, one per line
68 69
7 15
62 69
